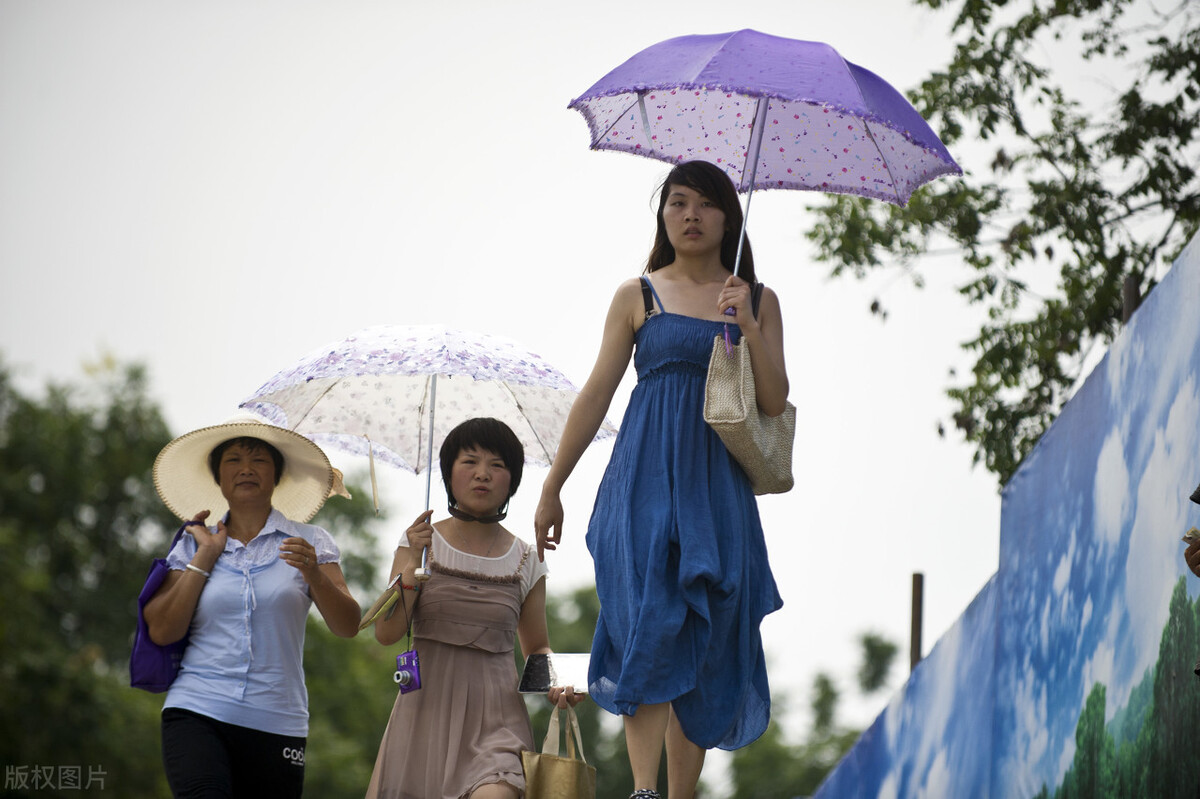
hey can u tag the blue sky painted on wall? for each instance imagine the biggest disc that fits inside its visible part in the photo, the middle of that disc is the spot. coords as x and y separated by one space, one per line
1089 554
1089 536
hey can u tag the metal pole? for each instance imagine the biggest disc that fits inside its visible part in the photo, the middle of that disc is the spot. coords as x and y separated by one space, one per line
422 574
918 598
760 121
1131 298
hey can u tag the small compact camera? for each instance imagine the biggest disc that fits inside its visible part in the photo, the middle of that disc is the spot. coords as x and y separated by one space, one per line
408 671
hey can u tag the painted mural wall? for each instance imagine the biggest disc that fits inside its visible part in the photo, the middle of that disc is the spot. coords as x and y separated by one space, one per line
1070 674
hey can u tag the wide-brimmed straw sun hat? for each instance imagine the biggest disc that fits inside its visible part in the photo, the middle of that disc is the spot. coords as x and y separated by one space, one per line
186 485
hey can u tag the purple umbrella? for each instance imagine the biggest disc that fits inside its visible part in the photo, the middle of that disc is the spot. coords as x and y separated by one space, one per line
774 113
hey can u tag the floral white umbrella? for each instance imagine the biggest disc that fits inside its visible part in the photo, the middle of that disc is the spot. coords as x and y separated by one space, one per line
394 392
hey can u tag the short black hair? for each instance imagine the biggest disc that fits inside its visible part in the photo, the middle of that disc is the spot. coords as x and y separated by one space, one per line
485 433
249 442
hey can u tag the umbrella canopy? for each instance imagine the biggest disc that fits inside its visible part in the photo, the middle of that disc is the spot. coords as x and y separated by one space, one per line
774 113
399 390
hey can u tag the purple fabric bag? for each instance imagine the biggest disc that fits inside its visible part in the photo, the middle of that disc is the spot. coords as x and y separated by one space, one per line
152 667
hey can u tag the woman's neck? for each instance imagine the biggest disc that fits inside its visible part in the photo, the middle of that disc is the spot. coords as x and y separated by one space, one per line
245 523
699 269
483 539
691 289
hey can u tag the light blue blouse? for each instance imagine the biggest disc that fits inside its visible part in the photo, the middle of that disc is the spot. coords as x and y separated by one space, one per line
244 660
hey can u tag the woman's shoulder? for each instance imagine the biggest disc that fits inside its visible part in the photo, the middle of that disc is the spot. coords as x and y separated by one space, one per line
515 546
519 551
302 529
769 295
629 289
527 554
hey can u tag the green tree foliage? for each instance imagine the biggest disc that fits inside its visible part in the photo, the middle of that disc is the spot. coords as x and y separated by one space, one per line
770 768
350 697
1094 764
352 523
878 656
80 522
824 703
1173 725
1161 760
1079 199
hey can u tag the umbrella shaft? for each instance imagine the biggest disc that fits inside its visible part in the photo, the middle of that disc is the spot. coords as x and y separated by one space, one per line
429 443
737 261
760 121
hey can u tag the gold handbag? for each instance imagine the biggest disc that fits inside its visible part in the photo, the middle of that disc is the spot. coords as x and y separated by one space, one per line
548 776
761 444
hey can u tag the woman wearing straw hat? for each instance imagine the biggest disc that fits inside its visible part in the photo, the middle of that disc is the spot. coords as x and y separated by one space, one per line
235 720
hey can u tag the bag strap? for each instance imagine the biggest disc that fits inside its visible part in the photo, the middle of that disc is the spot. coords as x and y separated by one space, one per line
178 535
550 746
756 298
578 736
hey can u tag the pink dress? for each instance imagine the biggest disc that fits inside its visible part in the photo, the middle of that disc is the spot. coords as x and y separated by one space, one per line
467 724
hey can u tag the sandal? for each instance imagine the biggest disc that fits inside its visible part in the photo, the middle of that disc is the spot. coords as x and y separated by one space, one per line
645 793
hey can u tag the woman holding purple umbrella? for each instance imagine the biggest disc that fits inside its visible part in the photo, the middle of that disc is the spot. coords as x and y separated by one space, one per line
681 562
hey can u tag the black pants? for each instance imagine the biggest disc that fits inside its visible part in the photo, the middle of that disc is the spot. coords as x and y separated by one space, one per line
206 759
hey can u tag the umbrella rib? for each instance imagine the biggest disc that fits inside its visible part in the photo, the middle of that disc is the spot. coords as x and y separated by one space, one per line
756 134
420 427
867 129
532 429
314 403
886 165
616 118
645 120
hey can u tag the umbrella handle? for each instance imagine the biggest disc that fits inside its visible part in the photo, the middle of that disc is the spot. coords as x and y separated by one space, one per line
422 574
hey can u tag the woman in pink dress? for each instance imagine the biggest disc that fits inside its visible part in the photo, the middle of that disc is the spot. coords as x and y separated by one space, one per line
462 732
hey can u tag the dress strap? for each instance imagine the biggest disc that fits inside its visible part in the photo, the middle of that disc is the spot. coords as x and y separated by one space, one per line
647 302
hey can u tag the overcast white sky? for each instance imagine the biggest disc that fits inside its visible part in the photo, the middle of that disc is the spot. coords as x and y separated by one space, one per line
217 188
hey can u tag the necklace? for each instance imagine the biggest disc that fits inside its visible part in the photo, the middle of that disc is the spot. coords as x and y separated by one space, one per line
495 538
463 541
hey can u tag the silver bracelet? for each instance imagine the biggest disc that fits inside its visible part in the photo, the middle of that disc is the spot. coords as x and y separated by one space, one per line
198 570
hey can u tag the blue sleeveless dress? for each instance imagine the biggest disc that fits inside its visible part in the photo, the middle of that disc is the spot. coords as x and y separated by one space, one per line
681 564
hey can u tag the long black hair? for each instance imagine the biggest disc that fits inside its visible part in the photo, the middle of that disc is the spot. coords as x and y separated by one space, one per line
711 181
